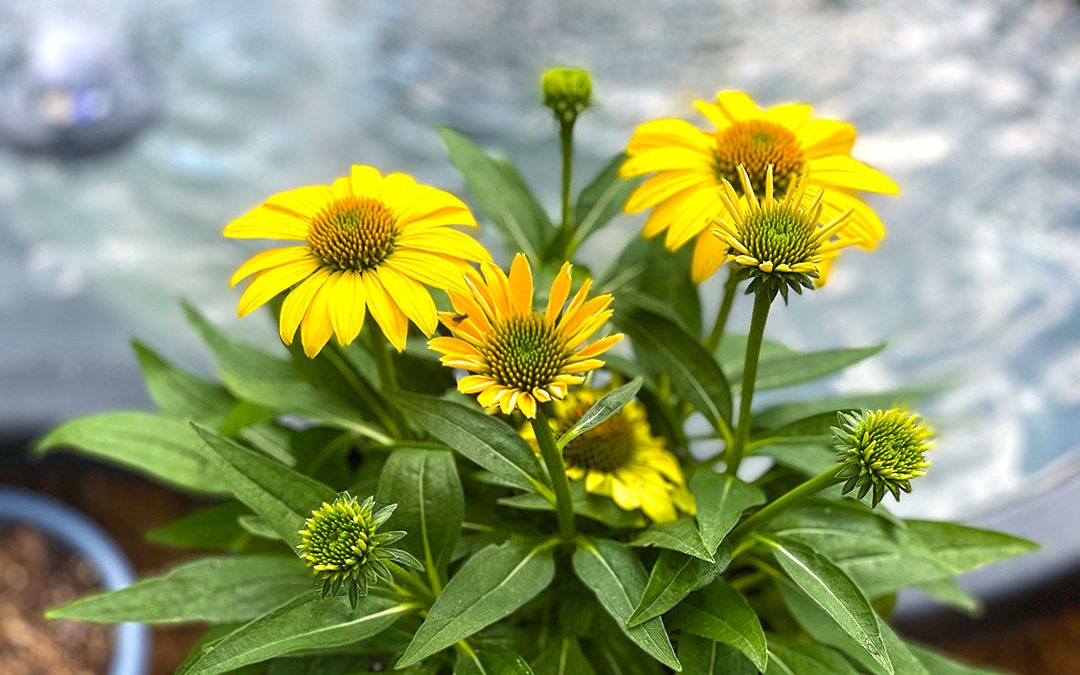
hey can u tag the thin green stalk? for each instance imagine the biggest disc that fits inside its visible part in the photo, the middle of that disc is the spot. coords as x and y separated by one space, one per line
717 332
800 492
564 240
334 355
384 361
762 302
564 506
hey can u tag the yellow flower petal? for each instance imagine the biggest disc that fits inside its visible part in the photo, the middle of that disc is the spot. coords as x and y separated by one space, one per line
264 222
366 181
412 298
267 259
430 268
445 241
296 304
846 172
316 329
667 132
737 105
273 281
709 254
392 321
348 305
302 202
521 284
560 290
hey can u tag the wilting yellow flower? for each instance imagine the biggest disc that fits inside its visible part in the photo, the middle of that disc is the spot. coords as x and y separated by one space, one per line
370 243
520 357
780 242
690 166
620 458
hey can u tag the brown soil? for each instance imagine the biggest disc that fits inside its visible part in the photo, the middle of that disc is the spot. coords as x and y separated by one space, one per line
36 573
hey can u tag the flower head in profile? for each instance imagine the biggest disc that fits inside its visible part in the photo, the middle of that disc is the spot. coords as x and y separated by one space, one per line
779 243
881 450
517 356
567 92
689 166
368 243
342 545
620 458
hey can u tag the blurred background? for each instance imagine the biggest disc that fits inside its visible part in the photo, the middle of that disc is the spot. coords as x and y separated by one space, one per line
130 132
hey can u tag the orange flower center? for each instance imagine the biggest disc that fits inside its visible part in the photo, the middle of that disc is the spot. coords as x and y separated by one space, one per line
755 144
353 233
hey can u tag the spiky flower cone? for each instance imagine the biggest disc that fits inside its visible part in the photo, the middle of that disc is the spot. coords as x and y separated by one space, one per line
341 544
881 450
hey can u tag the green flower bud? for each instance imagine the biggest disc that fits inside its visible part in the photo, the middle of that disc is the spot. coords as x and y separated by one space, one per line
566 92
342 545
881 450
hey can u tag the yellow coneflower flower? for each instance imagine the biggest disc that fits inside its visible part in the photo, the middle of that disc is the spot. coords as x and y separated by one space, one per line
620 458
520 357
690 166
881 450
779 243
370 243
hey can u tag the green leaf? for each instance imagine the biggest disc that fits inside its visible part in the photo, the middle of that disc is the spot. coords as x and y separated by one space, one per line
785 413
480 438
430 503
938 664
678 535
488 587
159 447
809 459
675 576
216 590
882 558
617 578
948 592
215 527
501 195
602 199
732 351
721 500
281 496
594 507
295 395
491 660
329 664
833 591
718 612
815 429
787 657
563 656
233 355
306 623
258 527
788 370
702 656
693 372
179 394
608 405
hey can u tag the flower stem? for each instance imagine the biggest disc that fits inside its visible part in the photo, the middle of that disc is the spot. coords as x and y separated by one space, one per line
786 501
564 240
564 506
717 332
762 302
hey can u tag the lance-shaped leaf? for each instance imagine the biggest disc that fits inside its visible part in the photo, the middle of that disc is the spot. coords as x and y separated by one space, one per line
430 503
787 657
214 528
182 395
677 535
217 590
790 369
160 447
479 437
808 430
601 200
833 591
489 586
501 195
703 656
617 578
304 624
675 576
721 500
599 412
693 371
718 612
594 507
283 497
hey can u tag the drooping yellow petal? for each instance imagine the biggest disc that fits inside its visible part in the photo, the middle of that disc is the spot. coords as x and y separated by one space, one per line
709 254
296 304
392 321
412 298
348 305
268 259
699 210
269 283
316 329
843 171
264 222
